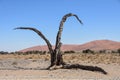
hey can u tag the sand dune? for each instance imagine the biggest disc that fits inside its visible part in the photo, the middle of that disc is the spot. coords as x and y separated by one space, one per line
93 45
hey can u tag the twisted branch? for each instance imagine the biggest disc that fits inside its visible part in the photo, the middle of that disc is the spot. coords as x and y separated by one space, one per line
58 38
40 34
85 67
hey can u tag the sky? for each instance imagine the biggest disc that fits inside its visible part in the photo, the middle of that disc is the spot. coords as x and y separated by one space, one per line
101 21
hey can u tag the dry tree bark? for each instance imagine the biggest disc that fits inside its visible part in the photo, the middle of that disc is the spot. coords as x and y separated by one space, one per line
84 67
58 44
40 34
56 56
43 37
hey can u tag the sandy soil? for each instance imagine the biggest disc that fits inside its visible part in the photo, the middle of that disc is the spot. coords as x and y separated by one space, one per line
17 67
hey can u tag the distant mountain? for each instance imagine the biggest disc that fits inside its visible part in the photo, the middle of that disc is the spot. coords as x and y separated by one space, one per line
93 45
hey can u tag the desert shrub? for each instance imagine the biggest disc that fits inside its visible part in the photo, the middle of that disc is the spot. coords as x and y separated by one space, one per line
35 52
2 52
88 51
102 51
71 51
118 50
44 52
114 51
12 52
18 53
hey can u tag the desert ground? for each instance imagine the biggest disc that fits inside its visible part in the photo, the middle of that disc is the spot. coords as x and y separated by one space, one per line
32 67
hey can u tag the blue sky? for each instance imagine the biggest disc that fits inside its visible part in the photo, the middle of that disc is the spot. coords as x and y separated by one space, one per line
101 20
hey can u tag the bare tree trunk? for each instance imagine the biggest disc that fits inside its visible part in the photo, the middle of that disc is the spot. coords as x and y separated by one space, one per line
59 59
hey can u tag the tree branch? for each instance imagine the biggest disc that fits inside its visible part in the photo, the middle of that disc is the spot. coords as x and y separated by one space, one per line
58 38
40 34
84 67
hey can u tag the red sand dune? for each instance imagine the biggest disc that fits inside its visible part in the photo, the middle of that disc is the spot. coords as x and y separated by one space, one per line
93 45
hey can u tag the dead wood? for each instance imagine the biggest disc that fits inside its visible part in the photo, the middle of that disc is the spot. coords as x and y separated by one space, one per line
43 37
84 67
56 54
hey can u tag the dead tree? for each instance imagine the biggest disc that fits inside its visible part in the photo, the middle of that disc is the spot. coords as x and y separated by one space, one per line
55 54
58 44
